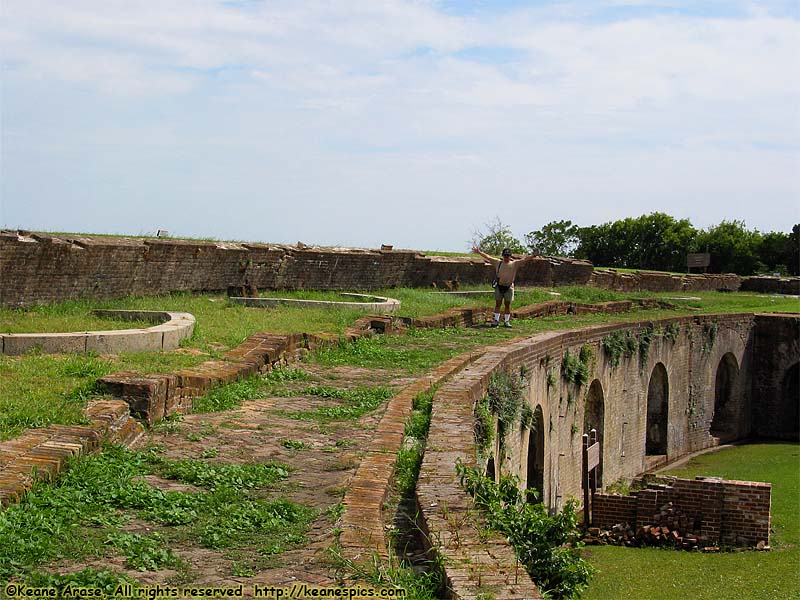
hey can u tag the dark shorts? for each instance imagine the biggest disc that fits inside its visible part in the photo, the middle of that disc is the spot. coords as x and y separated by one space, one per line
508 296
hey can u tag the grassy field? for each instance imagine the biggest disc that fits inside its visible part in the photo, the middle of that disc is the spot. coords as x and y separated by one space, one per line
657 574
37 390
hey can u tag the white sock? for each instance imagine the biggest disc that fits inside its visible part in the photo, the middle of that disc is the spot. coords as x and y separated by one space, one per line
507 316
496 317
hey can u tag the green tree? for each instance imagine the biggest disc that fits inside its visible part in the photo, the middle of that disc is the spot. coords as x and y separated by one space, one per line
780 252
496 236
557 238
656 241
733 248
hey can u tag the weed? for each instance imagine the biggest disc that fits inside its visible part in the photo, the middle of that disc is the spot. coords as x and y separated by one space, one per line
709 336
355 403
210 452
618 344
294 444
671 332
541 541
505 394
143 553
574 369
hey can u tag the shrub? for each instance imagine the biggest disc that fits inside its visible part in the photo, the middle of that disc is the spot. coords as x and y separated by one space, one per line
545 544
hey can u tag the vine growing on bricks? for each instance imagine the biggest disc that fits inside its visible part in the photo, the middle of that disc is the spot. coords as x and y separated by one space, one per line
546 545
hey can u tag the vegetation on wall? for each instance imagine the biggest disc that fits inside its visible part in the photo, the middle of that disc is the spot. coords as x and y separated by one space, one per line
575 368
504 399
546 545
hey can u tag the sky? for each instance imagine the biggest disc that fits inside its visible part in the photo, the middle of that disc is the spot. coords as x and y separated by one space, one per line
413 123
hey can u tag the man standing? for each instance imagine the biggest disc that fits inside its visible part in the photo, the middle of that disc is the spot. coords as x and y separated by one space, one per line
505 271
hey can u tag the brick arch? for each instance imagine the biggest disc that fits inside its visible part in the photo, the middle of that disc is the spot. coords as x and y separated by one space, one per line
790 402
594 418
657 411
534 471
727 398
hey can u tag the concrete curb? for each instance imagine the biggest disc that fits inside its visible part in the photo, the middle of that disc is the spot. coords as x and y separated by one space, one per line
171 329
377 304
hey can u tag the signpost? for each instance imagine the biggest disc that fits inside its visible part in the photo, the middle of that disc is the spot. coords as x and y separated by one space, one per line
699 260
591 460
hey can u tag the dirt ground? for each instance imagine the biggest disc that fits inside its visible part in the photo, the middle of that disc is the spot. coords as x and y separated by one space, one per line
321 469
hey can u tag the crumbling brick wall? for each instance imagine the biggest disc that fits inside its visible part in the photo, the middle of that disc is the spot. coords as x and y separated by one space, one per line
735 513
39 268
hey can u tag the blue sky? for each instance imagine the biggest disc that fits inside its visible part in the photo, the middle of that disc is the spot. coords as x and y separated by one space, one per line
364 122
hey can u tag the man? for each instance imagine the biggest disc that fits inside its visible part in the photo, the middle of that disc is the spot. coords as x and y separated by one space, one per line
505 271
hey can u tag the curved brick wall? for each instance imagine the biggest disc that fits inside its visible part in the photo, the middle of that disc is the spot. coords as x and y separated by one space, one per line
43 268
691 361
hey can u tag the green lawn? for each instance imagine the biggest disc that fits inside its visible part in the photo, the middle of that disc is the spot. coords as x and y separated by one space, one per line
37 390
657 574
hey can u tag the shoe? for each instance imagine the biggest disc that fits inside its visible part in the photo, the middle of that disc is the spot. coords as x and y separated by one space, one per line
494 324
507 324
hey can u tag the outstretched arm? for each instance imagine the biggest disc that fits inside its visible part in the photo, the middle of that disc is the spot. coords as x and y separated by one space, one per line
485 256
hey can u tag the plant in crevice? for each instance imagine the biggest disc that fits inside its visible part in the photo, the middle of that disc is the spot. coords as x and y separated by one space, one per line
546 545
505 398
671 332
574 369
709 336
618 344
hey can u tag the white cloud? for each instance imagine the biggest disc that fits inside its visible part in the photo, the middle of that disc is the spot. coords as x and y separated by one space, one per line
345 100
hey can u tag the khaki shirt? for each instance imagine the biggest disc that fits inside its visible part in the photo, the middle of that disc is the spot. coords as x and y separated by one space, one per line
507 272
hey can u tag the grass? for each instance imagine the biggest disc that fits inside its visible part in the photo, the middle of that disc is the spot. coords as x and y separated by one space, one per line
85 513
73 315
355 402
38 390
655 574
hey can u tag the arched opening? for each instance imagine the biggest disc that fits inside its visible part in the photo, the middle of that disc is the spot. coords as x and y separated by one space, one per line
593 418
724 423
657 411
490 469
535 475
790 402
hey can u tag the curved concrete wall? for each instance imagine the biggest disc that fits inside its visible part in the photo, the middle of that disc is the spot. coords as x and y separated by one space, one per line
377 304
172 328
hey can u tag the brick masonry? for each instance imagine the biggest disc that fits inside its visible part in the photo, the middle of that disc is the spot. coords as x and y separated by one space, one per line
42 268
732 513
44 453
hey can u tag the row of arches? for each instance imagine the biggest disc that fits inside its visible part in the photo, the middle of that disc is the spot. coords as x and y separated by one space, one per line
724 422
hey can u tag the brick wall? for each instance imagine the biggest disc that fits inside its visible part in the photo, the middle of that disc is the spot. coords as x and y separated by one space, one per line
772 285
39 268
655 281
735 513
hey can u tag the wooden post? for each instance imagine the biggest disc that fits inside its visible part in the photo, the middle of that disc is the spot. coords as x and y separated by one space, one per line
593 468
585 481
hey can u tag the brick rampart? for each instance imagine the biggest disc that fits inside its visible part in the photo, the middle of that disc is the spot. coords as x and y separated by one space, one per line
772 285
691 355
39 268
42 268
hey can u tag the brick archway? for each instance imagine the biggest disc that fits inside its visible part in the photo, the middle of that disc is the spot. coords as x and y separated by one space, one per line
726 398
594 418
657 411
535 471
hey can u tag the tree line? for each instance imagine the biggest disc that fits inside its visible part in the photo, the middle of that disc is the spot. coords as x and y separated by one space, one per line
656 242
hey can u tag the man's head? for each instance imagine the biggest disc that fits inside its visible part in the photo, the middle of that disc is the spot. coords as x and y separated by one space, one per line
506 254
